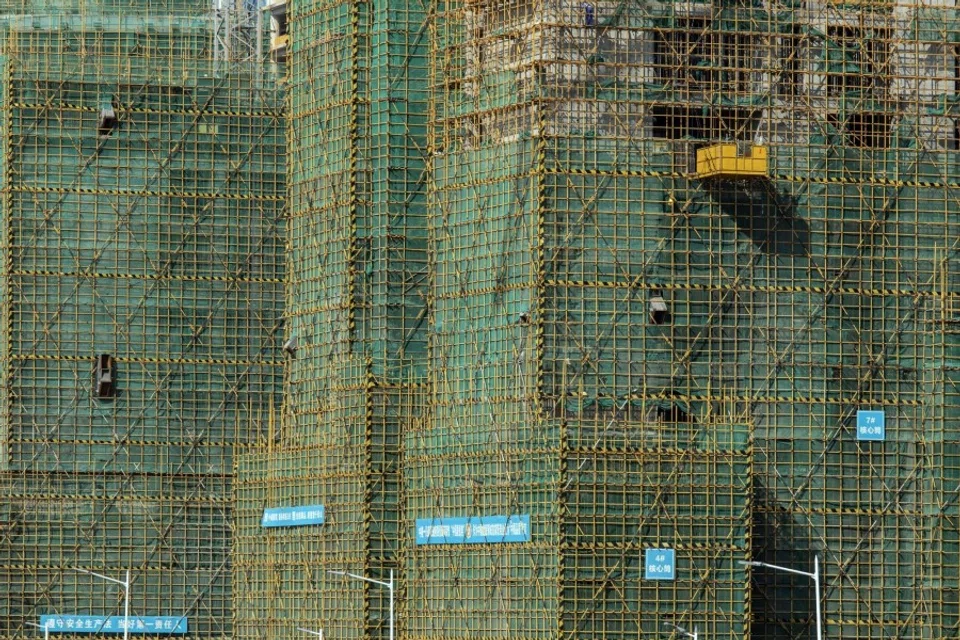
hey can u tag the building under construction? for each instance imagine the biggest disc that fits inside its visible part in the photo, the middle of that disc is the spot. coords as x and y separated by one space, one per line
141 298
550 314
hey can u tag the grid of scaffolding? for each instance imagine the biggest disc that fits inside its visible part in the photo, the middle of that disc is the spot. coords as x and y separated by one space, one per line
142 279
355 326
599 294
628 269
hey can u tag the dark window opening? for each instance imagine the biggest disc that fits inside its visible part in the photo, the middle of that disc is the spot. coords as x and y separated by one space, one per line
866 130
858 60
670 413
789 56
956 70
685 53
736 124
739 50
677 123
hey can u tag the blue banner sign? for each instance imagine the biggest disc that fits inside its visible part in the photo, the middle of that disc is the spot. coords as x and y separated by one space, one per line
871 425
475 530
659 564
114 624
292 516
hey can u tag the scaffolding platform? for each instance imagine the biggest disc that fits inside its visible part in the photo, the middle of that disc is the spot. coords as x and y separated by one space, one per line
727 162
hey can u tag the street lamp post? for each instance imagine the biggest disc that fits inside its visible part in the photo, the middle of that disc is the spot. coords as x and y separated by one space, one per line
126 597
682 631
319 634
388 585
45 627
815 576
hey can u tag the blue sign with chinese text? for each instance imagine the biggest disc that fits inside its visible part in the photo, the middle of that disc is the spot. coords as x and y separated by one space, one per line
113 624
475 530
293 516
871 425
659 564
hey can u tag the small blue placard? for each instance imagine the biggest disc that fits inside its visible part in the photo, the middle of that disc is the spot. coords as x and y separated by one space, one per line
293 516
475 530
73 623
871 425
659 564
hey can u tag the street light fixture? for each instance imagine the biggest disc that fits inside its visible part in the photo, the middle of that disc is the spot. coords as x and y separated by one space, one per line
388 585
683 631
319 634
126 597
815 576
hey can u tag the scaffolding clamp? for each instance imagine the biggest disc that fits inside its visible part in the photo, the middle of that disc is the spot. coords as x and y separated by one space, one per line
725 161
